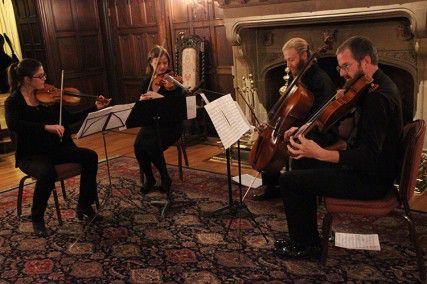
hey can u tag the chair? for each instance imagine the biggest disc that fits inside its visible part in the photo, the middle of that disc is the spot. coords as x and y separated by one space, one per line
190 64
412 144
64 171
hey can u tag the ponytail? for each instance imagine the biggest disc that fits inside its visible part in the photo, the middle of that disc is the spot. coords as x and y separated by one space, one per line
18 71
13 77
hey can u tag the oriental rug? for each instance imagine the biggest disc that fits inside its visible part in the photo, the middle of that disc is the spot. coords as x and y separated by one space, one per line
133 244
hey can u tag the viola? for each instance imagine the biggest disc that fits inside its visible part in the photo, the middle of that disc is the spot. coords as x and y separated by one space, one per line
269 153
338 106
50 95
162 80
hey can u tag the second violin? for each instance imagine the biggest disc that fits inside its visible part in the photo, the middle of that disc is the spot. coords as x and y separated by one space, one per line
163 80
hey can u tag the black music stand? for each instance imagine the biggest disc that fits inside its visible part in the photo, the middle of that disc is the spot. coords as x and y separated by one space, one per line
228 120
102 121
153 113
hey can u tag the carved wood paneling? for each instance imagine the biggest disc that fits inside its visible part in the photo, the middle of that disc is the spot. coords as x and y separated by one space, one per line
134 29
30 34
205 19
74 43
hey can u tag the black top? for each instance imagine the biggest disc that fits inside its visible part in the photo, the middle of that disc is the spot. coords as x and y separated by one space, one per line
375 151
321 86
27 123
171 109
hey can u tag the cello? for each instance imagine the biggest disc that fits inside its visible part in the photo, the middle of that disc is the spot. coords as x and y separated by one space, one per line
269 152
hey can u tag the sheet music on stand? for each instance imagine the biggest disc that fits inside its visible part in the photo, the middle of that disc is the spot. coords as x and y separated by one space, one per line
228 119
105 119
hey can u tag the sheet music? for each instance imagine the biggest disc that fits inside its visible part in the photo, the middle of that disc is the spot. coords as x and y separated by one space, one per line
191 107
357 241
227 119
119 115
94 122
247 180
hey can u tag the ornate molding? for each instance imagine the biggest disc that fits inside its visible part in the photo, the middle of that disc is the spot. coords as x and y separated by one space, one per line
246 3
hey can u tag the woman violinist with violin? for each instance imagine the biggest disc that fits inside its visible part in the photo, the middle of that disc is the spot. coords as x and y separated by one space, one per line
367 166
148 149
42 142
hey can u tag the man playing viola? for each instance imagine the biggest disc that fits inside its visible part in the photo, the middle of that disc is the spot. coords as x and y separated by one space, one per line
296 54
364 170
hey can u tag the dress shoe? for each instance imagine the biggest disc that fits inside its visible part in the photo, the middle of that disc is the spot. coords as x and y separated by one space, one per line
166 184
295 250
267 194
40 229
147 187
87 213
282 243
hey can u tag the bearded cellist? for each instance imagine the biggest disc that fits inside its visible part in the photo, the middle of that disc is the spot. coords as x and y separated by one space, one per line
296 53
364 170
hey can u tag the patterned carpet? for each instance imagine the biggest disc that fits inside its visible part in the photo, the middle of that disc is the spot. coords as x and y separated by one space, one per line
134 244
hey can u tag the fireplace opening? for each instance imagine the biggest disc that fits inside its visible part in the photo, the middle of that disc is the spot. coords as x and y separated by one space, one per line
402 78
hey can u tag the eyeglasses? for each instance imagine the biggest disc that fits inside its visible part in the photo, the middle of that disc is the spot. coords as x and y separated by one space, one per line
344 67
42 76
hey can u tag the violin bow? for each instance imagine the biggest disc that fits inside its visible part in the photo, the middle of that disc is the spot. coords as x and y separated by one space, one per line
157 64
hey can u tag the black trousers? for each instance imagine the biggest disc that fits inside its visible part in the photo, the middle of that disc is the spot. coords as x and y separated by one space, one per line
300 189
42 167
149 149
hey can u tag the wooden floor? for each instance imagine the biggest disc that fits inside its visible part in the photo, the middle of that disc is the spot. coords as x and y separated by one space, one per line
121 144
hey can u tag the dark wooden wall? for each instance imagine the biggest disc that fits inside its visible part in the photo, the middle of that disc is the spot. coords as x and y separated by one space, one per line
102 44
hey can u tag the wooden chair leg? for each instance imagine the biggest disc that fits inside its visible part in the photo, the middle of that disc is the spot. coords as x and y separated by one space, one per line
184 153
326 231
20 193
416 244
58 211
64 194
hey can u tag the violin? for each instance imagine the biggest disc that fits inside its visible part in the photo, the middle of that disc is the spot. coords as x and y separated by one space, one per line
163 80
50 95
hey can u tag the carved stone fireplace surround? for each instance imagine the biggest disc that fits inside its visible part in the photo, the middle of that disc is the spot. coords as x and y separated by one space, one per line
257 30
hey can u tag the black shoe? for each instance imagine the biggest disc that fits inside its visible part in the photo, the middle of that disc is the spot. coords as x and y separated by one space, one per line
166 184
282 243
147 187
299 251
87 213
40 229
267 194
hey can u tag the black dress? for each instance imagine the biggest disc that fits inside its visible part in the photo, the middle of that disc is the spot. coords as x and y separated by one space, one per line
151 140
38 151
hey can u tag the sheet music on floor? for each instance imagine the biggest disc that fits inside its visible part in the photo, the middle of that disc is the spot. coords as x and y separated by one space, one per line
227 119
115 116
248 180
357 241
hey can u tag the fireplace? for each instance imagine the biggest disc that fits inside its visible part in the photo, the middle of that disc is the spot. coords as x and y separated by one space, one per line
259 28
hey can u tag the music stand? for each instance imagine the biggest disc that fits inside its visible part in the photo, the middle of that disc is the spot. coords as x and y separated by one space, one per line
156 112
104 121
230 124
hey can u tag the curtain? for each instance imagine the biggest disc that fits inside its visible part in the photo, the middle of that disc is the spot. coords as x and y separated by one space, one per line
8 26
